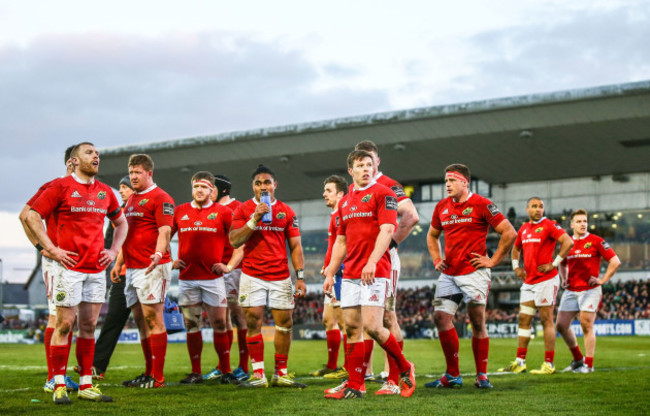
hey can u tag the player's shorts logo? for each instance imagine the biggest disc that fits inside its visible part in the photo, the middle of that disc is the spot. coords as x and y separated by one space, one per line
467 211
101 195
539 230
366 198
373 298
587 245
242 298
144 201
60 296
280 215
212 216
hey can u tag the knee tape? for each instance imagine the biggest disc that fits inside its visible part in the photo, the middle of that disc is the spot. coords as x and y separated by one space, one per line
193 314
526 310
526 333
445 305
283 329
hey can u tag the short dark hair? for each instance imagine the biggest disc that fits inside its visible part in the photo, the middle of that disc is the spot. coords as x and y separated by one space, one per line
75 149
68 153
460 168
356 155
262 169
141 159
223 185
367 145
203 174
532 198
339 182
579 211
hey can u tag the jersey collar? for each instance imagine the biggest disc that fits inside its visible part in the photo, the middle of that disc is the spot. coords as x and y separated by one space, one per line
575 237
379 175
195 205
372 182
537 222
229 202
81 181
469 195
149 189
258 202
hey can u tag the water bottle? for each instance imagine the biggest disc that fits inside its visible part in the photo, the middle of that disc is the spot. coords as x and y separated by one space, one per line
265 198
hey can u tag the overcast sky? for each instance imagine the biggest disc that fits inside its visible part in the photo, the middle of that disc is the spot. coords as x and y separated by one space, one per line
126 72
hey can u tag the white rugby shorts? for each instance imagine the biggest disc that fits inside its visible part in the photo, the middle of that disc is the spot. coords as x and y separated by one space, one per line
332 301
277 294
49 268
395 268
70 288
148 289
354 293
474 287
583 301
232 285
543 293
211 292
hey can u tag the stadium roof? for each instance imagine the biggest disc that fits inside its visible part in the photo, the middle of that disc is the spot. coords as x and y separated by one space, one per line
576 133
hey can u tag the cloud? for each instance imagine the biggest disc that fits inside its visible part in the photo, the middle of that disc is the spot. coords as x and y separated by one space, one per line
118 89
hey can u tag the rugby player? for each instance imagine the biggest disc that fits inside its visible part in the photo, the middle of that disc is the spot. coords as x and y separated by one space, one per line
48 268
335 188
80 203
203 228
150 213
222 196
408 218
265 274
367 222
537 239
584 291
465 218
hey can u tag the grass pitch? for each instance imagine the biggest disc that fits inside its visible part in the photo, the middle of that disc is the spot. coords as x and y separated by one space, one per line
619 385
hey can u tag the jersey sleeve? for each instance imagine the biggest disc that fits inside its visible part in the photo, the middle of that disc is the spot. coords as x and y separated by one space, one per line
239 217
48 201
164 211
293 227
435 218
492 214
114 211
387 208
556 230
605 250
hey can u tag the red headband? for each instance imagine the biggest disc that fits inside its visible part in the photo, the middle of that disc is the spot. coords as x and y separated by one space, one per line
204 182
456 176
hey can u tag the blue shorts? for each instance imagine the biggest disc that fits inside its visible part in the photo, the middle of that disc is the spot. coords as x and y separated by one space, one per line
338 280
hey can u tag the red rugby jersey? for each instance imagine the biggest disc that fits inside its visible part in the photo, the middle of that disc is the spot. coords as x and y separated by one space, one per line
393 185
538 240
331 236
361 214
265 253
228 249
50 220
584 260
146 212
80 209
202 234
465 226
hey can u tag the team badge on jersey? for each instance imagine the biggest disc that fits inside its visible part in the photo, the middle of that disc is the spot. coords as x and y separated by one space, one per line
539 230
366 198
467 211
587 245
212 216
101 195
60 296
280 215
144 201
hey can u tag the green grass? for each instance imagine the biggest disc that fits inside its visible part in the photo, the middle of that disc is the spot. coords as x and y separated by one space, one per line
619 385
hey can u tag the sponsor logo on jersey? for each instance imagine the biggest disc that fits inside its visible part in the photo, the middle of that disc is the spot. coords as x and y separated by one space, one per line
446 211
212 216
605 245
130 209
197 223
101 195
353 208
90 202
185 217
558 226
337 221
144 201
399 191
539 229
168 208
391 203
295 223
280 215
345 204
493 209
467 211
587 245
366 198
60 296
75 194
